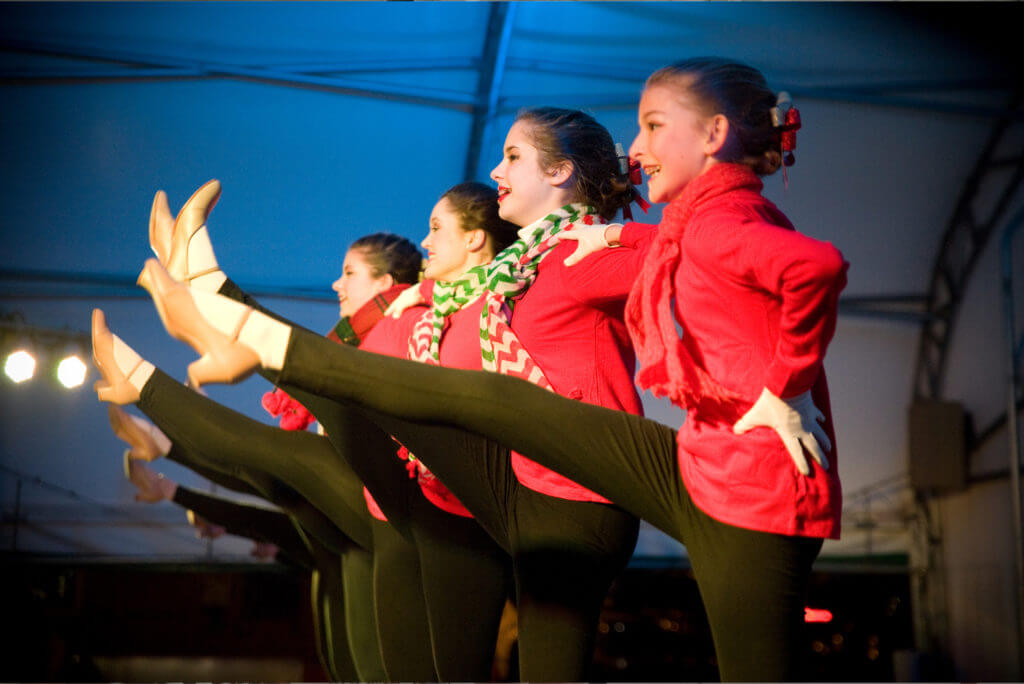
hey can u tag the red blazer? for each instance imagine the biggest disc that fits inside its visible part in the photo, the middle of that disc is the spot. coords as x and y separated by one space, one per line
571 321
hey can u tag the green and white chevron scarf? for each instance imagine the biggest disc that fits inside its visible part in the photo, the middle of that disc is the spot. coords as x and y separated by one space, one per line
508 276
449 297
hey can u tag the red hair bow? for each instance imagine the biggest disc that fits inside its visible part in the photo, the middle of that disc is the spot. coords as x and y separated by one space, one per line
789 130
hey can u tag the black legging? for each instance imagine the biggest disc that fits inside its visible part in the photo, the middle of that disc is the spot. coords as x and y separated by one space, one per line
326 584
245 520
565 553
452 634
401 611
232 448
327 544
263 455
465 574
752 583
353 618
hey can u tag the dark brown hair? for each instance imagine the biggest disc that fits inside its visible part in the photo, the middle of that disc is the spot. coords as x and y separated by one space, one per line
738 91
476 205
387 253
562 135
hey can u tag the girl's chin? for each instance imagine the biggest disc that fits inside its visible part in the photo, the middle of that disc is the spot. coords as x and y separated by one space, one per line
506 211
658 196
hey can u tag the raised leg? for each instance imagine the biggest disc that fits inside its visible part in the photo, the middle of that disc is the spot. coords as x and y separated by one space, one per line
304 461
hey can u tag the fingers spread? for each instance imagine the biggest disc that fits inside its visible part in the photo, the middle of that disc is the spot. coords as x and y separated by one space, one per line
814 449
797 454
819 434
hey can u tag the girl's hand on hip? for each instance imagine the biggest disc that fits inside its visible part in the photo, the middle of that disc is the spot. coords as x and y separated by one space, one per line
796 420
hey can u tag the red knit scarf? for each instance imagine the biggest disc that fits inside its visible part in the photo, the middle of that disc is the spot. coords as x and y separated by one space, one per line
352 329
667 366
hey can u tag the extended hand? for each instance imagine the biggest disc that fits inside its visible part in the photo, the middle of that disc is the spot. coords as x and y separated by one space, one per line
407 298
588 240
796 420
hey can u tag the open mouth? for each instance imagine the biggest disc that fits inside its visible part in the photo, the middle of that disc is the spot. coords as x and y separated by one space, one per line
652 170
502 192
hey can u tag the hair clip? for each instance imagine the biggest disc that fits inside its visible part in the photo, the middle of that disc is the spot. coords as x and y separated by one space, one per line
783 103
786 117
631 170
620 152
628 166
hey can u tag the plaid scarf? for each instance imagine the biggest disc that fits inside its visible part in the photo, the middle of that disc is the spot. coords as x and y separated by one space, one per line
352 329
349 330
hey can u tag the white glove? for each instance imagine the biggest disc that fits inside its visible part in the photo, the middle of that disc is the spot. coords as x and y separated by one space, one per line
796 420
588 239
407 298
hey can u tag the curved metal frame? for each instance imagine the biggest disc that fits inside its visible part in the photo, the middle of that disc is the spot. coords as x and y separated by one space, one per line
1015 351
962 244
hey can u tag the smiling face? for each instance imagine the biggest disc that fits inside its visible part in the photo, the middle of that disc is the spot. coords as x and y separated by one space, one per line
526 191
675 143
357 284
447 244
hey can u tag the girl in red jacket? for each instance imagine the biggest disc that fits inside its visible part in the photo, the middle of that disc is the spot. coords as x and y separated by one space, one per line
731 319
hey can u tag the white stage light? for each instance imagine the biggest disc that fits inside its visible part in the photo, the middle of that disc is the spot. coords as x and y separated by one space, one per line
20 366
71 371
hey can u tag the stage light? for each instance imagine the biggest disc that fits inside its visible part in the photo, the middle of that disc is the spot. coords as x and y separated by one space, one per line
20 366
37 348
71 371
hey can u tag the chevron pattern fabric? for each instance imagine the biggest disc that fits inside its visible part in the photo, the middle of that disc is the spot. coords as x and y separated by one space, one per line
425 343
508 276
